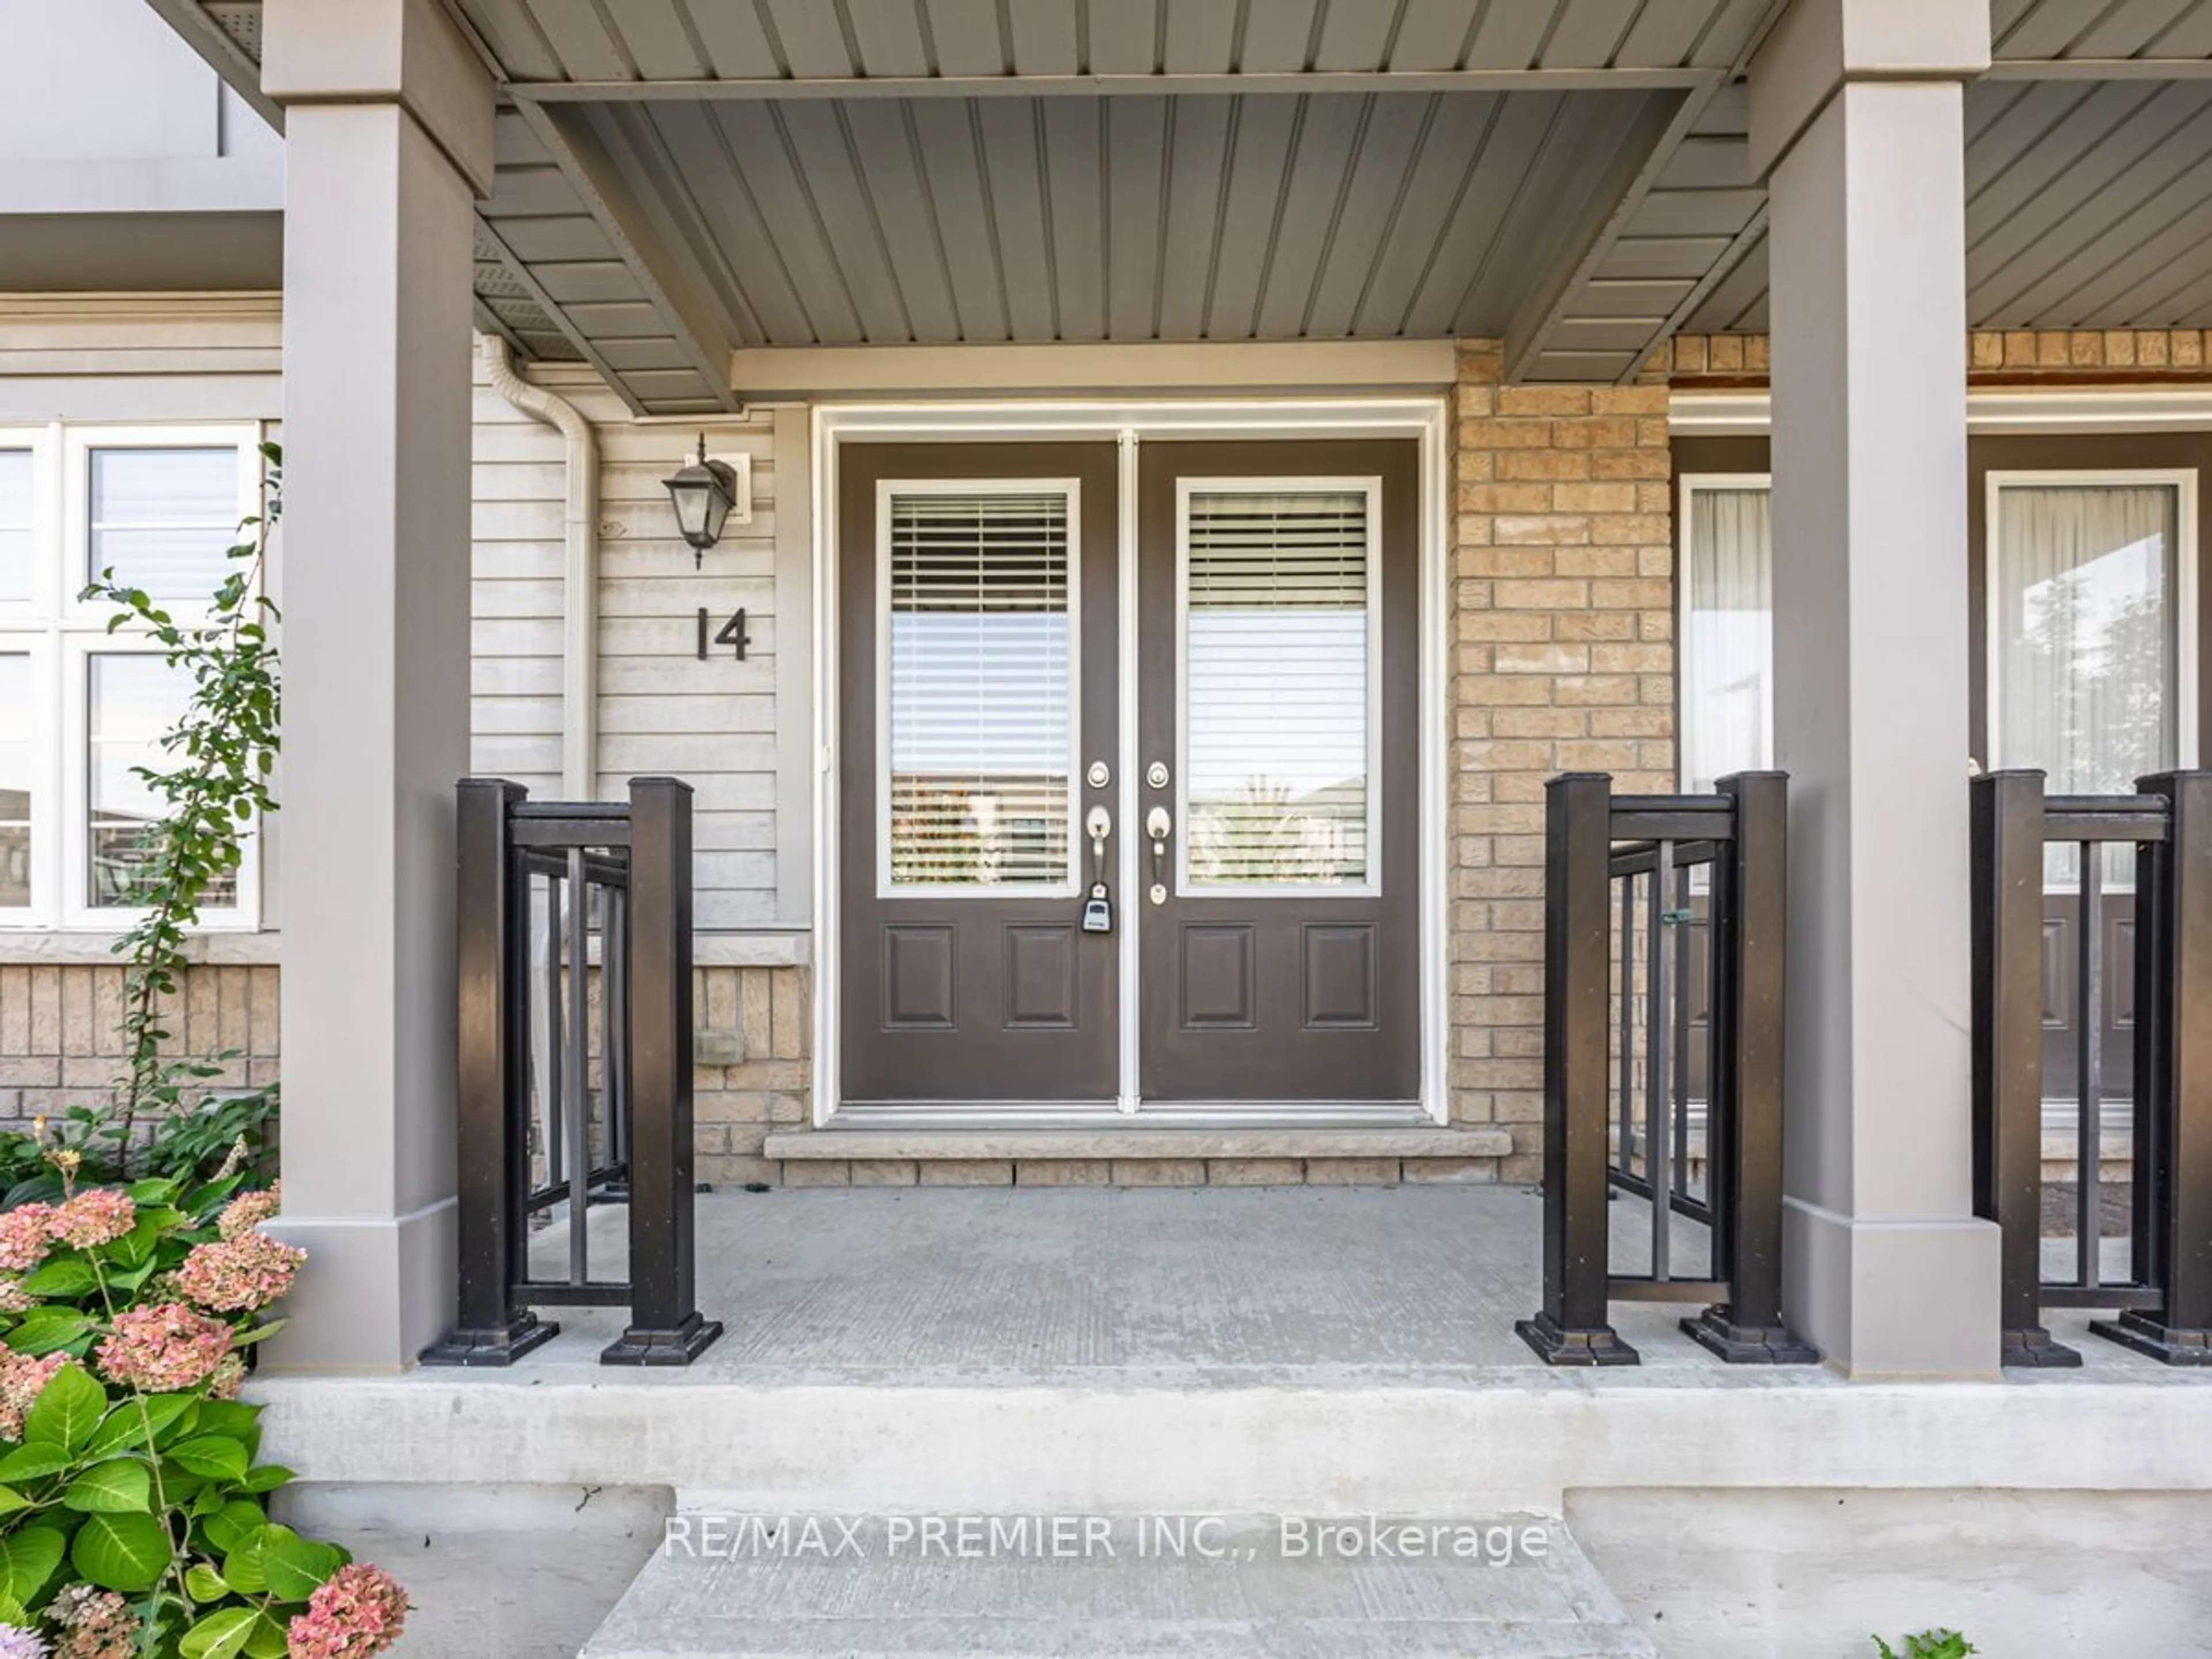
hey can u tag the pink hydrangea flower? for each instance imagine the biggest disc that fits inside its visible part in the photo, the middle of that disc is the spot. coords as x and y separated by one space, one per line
13 1298
239 1274
96 1623
359 1611
164 1348
228 1378
22 1379
25 1237
249 1210
16 1643
98 1215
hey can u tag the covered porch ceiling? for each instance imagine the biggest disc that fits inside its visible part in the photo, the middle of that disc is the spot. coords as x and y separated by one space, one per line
683 180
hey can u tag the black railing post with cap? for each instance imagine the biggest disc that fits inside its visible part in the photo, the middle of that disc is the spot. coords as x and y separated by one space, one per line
2173 1080
489 1328
2007 909
1751 900
1645 855
666 1327
574 938
1571 1329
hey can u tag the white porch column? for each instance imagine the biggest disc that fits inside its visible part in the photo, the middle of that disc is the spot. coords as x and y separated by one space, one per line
387 140
1856 123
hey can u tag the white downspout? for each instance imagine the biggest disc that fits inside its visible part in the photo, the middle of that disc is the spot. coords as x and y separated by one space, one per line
579 568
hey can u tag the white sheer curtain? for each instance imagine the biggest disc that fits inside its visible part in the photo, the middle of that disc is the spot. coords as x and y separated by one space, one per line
1728 654
2083 583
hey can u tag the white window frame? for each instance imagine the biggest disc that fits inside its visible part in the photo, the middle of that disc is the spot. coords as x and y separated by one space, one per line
2182 481
61 631
1250 484
1688 486
1072 491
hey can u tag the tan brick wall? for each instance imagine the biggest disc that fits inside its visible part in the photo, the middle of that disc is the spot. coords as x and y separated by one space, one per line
2009 353
58 1047
58 1031
1562 615
762 1015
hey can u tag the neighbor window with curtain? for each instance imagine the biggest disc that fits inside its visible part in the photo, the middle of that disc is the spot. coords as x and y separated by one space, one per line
2085 637
1727 634
81 708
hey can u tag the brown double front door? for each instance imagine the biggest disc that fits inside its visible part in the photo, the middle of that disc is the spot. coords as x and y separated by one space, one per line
1144 838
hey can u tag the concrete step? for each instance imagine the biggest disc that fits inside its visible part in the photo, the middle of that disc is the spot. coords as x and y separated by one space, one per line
1041 1587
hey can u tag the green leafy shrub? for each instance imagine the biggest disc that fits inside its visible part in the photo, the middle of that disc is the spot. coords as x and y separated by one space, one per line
132 1520
197 1140
1930 1644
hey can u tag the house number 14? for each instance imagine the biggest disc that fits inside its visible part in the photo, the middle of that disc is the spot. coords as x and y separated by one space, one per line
731 634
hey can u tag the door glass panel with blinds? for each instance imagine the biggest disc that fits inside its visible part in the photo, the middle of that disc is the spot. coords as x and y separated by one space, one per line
1278 617
2087 632
978 697
163 520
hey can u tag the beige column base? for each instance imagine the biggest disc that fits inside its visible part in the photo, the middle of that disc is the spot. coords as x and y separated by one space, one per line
1914 1297
375 1293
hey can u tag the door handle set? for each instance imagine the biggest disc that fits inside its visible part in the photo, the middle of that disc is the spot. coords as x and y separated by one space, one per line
1098 906
1159 826
1099 825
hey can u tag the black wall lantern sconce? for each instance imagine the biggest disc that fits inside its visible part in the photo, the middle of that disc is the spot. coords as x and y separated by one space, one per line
703 494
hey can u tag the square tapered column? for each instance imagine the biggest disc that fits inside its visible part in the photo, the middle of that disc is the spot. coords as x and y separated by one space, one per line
387 141
1856 123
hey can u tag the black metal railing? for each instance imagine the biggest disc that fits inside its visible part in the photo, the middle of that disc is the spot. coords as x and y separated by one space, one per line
574 941
2025 993
1664 933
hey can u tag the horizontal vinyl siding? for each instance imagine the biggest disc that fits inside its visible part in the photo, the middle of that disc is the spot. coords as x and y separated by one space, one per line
514 637
661 711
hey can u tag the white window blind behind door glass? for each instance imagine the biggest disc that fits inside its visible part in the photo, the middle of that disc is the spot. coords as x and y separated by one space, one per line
1728 653
980 693
1277 765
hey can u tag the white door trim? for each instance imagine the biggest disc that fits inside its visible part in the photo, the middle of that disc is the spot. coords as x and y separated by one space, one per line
1129 424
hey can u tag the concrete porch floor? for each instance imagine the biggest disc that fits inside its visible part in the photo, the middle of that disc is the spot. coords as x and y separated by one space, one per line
1156 1284
1259 1349
1311 1351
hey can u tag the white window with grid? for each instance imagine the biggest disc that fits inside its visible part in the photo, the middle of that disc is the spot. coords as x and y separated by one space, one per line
82 708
